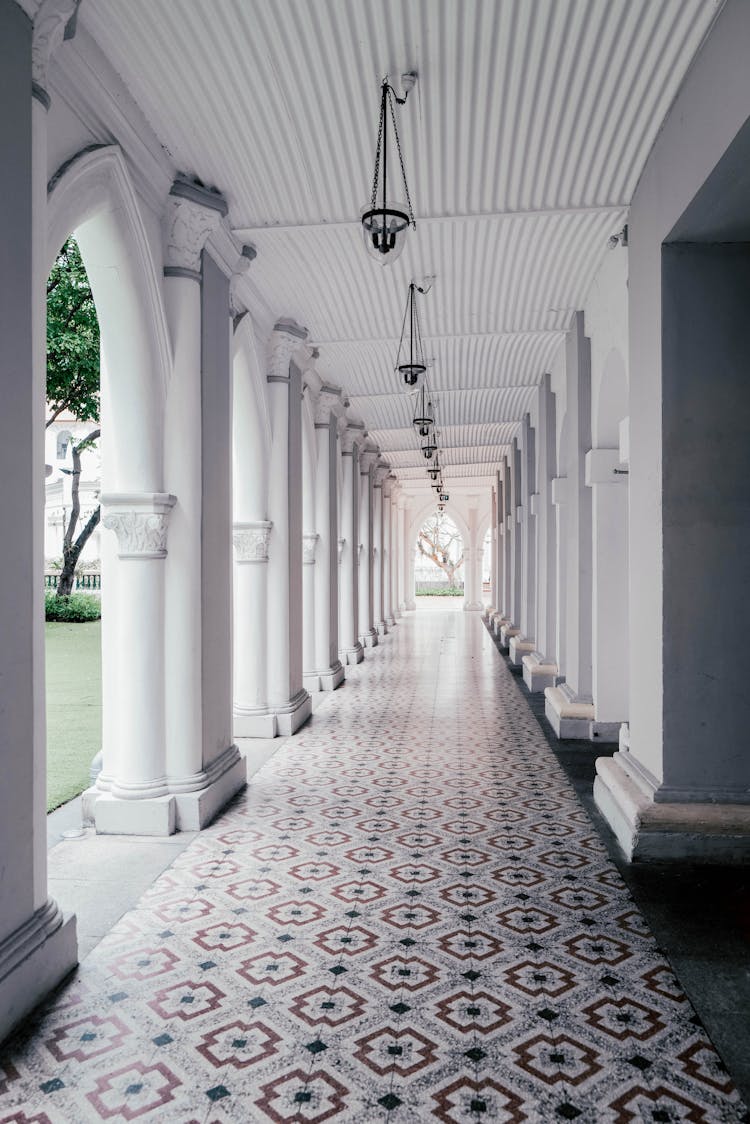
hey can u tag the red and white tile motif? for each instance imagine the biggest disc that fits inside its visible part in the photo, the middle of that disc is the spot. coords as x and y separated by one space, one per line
407 916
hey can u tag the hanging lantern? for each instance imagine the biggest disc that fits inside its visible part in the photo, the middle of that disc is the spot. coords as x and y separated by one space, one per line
384 222
423 418
429 447
416 365
444 497
434 471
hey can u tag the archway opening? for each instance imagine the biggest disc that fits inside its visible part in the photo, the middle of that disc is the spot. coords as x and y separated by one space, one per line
438 563
71 534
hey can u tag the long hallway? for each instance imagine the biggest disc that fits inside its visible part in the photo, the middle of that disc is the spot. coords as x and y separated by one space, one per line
406 916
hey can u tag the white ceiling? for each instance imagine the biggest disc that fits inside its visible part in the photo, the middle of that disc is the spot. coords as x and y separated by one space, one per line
523 142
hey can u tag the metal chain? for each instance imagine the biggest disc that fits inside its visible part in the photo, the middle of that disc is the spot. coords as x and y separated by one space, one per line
400 157
374 200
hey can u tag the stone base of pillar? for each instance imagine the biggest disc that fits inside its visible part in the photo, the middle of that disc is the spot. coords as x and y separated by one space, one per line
651 831
331 677
506 632
538 673
311 682
397 613
518 648
353 655
488 612
34 959
294 714
497 621
472 607
253 722
369 640
569 715
114 815
199 799
382 628
410 606
608 732
390 621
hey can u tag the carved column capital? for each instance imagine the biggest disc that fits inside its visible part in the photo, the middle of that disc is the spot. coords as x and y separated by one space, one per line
247 255
54 22
352 435
192 214
367 458
140 522
250 541
381 472
327 401
309 544
286 338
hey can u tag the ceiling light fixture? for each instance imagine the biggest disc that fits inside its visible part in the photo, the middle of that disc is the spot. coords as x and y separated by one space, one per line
423 418
384 222
416 365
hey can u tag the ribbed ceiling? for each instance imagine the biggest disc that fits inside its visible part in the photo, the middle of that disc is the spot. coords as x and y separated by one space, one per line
523 141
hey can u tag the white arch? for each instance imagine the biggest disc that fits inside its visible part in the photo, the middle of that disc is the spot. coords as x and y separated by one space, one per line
93 198
428 508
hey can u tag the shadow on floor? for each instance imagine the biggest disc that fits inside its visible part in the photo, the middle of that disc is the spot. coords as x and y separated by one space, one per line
699 915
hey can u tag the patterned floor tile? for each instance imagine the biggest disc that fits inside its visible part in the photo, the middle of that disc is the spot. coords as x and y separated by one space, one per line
397 921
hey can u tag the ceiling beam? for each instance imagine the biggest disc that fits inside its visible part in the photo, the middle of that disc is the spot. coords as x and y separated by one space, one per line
543 213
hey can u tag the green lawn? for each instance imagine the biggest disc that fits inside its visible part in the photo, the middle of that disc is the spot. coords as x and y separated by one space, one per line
74 707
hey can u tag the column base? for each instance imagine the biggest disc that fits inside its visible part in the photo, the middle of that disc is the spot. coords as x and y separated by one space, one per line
353 655
331 677
34 959
252 722
538 673
199 799
488 612
410 606
569 715
390 621
114 815
497 620
506 632
472 606
311 682
518 648
608 732
650 831
369 640
382 628
293 715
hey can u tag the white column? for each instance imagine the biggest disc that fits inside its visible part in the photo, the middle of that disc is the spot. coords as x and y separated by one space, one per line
490 608
569 707
608 483
500 616
328 666
387 608
408 556
395 559
540 666
378 577
472 563
524 643
310 678
251 715
349 646
37 945
513 533
367 632
287 697
203 765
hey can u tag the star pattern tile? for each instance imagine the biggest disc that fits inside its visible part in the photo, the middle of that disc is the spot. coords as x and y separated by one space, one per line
406 916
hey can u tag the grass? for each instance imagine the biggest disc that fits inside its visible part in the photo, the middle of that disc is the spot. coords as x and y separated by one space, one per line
74 707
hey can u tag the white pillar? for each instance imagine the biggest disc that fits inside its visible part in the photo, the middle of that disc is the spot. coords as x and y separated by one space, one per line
513 534
490 608
472 563
569 707
367 632
524 643
328 666
540 666
251 715
388 550
203 765
608 483
37 945
310 678
395 558
378 577
287 698
349 645
408 557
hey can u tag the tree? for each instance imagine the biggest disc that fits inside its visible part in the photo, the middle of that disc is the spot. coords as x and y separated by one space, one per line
440 541
72 383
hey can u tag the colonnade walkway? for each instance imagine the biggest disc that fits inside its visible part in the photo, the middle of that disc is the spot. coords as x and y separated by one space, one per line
407 916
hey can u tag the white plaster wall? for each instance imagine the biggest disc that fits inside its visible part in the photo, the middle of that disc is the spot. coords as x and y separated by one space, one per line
606 324
711 107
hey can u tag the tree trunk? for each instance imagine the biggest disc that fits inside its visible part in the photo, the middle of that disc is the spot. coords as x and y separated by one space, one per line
72 550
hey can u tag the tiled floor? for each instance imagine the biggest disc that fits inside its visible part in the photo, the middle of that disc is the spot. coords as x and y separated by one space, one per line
407 917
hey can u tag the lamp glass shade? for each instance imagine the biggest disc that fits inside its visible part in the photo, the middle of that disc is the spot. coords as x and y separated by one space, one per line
384 230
